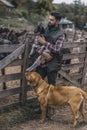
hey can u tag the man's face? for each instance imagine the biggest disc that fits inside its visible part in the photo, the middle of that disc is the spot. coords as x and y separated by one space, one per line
52 21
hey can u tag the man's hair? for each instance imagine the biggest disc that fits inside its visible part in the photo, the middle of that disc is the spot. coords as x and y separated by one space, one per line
56 15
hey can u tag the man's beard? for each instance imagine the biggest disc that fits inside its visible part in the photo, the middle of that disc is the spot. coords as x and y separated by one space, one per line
51 26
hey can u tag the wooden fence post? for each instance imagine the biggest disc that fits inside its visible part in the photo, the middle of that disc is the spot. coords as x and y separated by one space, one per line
3 73
84 70
23 94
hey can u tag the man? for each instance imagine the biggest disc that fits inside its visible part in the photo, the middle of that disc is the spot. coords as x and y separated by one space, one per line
53 40
49 45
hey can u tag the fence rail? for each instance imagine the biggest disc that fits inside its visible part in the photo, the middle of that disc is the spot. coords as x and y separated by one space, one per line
19 57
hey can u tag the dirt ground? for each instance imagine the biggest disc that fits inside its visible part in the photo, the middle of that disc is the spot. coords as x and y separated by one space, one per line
25 117
51 125
62 120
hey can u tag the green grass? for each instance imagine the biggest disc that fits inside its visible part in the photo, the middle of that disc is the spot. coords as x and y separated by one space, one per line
13 22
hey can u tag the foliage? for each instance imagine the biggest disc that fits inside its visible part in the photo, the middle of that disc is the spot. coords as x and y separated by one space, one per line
14 22
45 6
21 12
38 11
74 12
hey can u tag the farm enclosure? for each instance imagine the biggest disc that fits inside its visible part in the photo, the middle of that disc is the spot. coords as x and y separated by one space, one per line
14 89
13 67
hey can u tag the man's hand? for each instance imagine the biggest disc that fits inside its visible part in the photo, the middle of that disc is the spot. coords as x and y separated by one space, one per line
47 56
41 40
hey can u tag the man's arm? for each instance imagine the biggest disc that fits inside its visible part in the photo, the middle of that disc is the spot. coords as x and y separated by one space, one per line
53 48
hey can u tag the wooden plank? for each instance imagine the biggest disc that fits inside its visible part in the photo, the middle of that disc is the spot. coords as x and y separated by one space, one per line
8 48
10 77
11 57
10 92
67 76
60 81
73 55
64 82
72 66
23 94
17 62
85 83
76 77
3 73
84 70
74 44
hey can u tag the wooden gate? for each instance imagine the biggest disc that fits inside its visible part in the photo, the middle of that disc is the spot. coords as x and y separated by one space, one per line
18 57
73 73
76 71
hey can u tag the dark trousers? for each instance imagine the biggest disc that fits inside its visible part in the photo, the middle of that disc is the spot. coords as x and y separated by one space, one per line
51 76
51 79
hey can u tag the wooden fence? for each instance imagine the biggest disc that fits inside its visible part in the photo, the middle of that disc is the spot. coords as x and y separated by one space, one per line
19 56
76 71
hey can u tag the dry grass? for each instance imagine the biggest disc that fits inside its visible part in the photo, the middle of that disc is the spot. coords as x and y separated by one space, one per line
16 115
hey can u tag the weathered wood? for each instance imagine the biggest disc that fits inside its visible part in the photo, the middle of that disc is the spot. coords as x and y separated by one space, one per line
84 70
7 60
16 59
10 77
67 76
17 62
10 92
72 66
74 44
85 82
23 94
3 73
8 48
76 76
73 55
61 80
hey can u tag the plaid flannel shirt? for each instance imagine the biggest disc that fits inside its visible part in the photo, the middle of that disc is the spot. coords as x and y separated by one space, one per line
51 47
